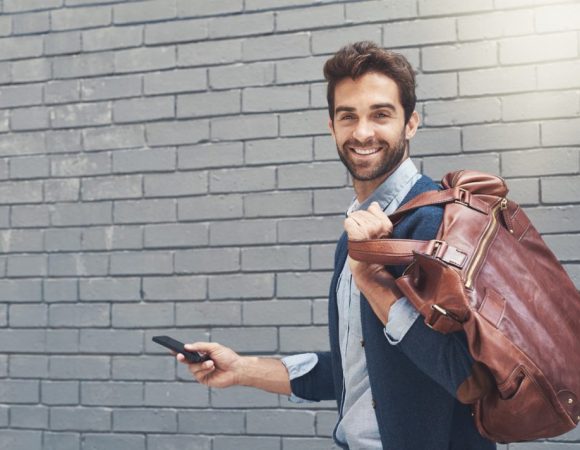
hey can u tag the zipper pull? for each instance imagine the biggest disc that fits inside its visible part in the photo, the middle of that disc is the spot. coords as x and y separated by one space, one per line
503 206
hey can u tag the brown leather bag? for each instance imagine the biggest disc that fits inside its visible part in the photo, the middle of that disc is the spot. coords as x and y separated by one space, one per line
490 274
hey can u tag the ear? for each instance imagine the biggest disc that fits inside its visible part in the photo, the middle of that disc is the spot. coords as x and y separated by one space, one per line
412 125
331 127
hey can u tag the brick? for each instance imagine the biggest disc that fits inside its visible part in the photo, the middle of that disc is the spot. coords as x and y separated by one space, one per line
77 264
241 25
62 341
278 312
180 183
419 32
28 366
525 191
302 284
111 87
174 288
5 26
79 367
304 123
371 11
325 422
207 313
244 127
141 263
144 109
144 59
208 104
31 23
176 394
83 65
62 43
495 24
177 133
145 160
182 31
211 421
142 314
11 96
329 41
497 81
300 70
144 420
325 148
22 341
148 11
30 119
332 201
143 368
188 8
242 180
210 207
276 47
26 266
557 18
126 136
59 392
108 441
209 53
318 95
463 56
300 339
275 98
112 237
207 260
210 155
20 241
20 47
144 211
31 70
427 8
267 151
97 393
88 315
80 419
242 232
306 443
540 105
500 136
246 442
61 441
459 112
560 132
241 286
540 162
280 422
563 246
81 115
3 323
258 339
278 204
21 439
74 18
312 175
436 85
311 229
431 141
437 167
64 91
22 144
61 290
111 289
29 417
112 38
167 442
562 74
28 316
103 188
63 239
560 190
538 48
65 214
176 235
181 80
310 18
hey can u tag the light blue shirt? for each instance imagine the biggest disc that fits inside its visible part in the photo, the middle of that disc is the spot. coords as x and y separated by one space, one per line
357 426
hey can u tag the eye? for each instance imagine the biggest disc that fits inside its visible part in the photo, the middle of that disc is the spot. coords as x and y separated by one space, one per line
382 115
346 117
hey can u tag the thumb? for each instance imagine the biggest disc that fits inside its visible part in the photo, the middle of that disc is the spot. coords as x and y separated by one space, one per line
204 347
386 224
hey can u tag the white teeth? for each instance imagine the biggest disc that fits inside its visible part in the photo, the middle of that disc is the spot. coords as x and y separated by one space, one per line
364 151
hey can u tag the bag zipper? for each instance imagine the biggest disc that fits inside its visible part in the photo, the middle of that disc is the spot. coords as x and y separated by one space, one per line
484 243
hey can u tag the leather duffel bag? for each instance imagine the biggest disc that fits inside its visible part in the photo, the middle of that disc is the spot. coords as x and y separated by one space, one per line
490 274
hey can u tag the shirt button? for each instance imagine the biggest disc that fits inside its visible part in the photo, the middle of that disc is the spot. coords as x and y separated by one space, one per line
362 342
374 404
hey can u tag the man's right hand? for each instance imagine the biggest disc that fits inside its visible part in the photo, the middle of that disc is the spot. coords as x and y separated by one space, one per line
223 369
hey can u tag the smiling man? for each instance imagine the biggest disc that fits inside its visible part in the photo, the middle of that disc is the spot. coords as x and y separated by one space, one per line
396 382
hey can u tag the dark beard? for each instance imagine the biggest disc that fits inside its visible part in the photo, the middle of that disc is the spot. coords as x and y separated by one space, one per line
391 157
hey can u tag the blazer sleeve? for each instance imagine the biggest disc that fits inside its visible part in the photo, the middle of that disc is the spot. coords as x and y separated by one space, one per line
317 384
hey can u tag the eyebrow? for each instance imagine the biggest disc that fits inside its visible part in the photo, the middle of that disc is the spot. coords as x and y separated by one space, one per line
375 106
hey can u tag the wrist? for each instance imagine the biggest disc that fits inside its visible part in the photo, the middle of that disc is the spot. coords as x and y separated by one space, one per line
243 370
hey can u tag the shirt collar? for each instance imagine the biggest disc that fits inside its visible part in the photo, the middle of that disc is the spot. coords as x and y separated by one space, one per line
389 189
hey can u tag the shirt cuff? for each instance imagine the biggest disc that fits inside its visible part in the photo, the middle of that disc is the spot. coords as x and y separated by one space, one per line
298 365
402 315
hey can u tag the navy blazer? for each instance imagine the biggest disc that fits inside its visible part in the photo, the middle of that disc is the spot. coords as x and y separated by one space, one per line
413 383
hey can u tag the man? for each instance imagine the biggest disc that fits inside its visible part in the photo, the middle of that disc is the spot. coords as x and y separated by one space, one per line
396 381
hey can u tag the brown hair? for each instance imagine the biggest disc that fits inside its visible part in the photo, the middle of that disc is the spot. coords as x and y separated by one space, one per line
355 60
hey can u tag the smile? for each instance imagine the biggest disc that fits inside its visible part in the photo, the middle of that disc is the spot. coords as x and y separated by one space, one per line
365 151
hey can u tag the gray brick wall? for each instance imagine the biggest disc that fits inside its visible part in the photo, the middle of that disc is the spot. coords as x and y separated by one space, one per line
165 168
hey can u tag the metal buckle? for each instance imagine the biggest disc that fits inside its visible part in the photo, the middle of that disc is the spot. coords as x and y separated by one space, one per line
464 196
437 244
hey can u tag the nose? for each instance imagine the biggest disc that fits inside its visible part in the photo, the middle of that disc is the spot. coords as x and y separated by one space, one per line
363 131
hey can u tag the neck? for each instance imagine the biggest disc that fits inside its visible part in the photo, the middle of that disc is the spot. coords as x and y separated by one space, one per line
365 188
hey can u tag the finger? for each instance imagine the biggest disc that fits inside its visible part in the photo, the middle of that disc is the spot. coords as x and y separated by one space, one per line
202 367
353 229
386 226
205 347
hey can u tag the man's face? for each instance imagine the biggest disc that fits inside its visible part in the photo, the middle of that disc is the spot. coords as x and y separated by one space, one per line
369 127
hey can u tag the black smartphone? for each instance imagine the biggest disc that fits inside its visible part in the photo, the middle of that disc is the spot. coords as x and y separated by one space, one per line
176 346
